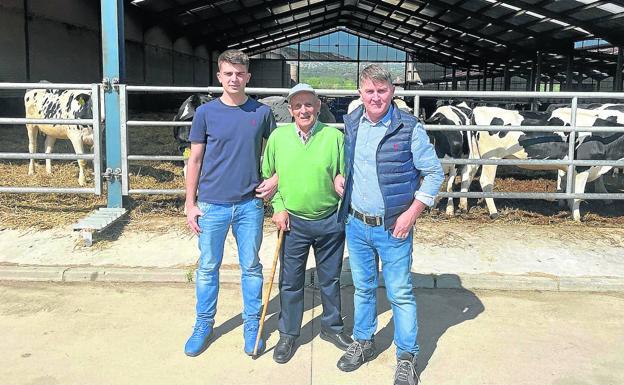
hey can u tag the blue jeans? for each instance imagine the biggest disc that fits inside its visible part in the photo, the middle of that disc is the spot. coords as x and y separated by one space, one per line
246 220
365 243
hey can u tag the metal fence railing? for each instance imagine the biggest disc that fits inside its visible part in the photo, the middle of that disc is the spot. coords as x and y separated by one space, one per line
96 157
573 129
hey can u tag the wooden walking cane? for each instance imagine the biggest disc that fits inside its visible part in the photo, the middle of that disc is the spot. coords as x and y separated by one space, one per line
268 293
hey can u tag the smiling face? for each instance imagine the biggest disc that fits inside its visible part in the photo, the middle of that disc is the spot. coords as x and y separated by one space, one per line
376 97
304 107
233 77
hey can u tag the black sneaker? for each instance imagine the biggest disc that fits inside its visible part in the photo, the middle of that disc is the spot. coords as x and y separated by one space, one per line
357 353
406 370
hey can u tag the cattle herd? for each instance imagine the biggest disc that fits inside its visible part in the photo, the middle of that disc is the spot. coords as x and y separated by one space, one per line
460 144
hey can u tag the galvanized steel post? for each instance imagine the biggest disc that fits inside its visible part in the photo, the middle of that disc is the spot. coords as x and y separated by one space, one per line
113 70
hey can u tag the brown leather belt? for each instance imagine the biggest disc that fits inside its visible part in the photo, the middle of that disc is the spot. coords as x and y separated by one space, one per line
368 219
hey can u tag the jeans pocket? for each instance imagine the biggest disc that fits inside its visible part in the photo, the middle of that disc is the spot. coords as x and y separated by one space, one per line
204 207
259 203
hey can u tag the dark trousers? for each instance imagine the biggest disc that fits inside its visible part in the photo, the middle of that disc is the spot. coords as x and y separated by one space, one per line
327 238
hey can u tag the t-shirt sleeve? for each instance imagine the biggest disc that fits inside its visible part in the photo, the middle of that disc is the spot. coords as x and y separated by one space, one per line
270 123
198 127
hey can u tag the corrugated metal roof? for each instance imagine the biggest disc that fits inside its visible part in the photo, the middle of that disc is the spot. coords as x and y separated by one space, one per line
461 32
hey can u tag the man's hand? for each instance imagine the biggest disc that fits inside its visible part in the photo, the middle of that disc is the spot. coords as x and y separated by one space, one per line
405 222
339 184
267 188
192 213
281 220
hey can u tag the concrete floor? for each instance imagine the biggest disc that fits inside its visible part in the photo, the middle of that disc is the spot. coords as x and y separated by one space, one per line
103 333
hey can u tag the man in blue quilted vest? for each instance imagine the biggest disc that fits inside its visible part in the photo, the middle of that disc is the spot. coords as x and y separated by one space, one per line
391 174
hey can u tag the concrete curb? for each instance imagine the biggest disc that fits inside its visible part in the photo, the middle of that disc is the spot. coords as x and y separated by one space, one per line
486 281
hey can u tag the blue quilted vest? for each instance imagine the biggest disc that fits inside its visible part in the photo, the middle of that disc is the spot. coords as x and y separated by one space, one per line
398 178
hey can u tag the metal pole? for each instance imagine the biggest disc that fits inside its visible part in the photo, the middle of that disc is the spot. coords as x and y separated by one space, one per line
453 77
114 73
617 86
97 140
468 78
538 72
485 77
571 147
123 136
416 106
568 84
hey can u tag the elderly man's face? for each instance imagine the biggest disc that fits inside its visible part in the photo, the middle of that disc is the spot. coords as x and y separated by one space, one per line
377 97
304 107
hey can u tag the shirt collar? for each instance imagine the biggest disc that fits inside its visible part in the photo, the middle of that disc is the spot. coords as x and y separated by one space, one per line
312 130
384 121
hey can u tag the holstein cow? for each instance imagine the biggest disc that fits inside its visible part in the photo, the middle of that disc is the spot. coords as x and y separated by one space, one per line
185 114
595 115
59 104
539 145
451 144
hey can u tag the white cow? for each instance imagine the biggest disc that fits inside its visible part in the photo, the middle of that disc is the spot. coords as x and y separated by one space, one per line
59 104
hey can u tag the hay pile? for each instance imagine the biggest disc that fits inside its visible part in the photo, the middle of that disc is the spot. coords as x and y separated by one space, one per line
164 213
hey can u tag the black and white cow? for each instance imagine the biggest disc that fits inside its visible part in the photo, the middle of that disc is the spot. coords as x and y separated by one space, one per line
59 104
450 144
540 145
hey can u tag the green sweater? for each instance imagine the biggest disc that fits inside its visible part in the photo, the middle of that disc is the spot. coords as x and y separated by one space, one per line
306 171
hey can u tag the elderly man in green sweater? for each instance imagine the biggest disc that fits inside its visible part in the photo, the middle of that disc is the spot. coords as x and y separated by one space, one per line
307 155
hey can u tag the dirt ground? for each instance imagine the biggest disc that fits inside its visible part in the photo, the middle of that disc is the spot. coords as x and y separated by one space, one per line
107 334
161 213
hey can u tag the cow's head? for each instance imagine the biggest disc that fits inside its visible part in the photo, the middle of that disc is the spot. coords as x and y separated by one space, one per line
186 112
81 106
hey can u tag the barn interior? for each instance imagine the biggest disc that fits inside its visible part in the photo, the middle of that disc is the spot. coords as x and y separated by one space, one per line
523 45
575 44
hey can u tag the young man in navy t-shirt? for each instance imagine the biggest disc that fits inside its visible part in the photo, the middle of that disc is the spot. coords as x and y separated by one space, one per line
223 171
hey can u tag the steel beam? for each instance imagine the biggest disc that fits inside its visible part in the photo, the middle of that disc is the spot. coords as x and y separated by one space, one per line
113 62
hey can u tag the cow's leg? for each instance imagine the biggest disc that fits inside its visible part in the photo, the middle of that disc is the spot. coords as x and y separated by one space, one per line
49 145
468 173
33 131
76 139
579 187
488 173
600 188
450 208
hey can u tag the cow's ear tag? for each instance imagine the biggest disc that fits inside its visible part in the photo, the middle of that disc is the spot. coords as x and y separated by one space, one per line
187 153
81 101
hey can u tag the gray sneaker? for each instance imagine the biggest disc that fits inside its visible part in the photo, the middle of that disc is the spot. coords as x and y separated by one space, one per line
357 353
405 373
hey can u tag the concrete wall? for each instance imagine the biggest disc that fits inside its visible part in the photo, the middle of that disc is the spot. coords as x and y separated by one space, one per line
269 73
60 41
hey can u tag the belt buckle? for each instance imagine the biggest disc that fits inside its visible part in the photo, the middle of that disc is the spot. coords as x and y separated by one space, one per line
370 220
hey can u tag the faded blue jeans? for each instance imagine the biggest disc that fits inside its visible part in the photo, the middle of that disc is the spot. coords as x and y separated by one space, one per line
364 243
246 220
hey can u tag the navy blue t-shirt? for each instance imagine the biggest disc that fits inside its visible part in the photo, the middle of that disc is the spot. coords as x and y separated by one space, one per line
233 136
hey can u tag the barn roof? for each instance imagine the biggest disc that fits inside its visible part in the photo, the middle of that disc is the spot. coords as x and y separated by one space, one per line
448 32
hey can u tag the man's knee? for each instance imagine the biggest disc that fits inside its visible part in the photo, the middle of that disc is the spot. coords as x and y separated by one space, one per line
399 294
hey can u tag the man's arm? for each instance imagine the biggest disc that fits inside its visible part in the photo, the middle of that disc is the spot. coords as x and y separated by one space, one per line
192 181
280 215
426 161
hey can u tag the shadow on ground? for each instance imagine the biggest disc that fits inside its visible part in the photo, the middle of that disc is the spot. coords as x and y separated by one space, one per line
438 310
